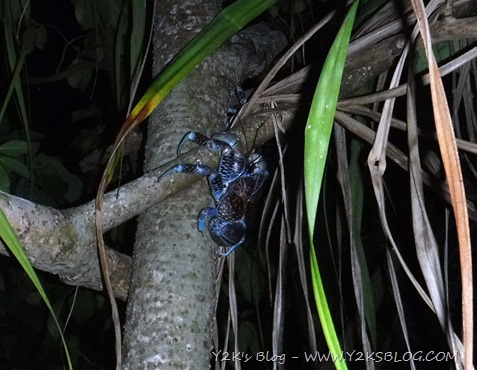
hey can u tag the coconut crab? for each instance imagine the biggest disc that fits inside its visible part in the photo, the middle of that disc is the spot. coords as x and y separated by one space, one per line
236 186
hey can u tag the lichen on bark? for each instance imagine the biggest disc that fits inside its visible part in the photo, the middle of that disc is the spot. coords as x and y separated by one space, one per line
170 308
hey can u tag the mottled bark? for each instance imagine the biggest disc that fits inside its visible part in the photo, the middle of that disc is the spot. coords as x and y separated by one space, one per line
73 255
62 241
169 322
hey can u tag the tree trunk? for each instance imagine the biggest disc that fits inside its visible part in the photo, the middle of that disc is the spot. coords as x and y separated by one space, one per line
170 312
170 307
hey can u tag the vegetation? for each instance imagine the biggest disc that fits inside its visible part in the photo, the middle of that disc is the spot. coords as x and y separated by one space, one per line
392 240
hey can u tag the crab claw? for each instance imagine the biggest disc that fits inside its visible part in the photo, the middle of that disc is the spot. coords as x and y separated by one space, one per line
200 139
204 215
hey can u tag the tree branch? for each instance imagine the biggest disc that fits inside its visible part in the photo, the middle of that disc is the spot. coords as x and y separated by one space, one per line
62 242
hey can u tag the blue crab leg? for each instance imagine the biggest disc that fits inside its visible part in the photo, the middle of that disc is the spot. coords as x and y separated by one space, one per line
215 180
225 233
192 169
234 247
228 140
232 161
200 139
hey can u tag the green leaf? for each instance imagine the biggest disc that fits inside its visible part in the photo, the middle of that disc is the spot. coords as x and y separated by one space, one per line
223 26
55 178
14 148
138 31
81 79
109 11
84 307
4 181
250 279
317 138
248 336
320 119
12 11
11 241
33 37
85 14
13 165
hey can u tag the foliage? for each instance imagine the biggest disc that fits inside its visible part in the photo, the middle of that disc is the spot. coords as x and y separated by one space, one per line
10 239
40 167
317 138
65 87
30 339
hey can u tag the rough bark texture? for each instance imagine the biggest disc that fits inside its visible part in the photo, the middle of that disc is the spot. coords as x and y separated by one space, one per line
75 258
169 322
62 242
172 289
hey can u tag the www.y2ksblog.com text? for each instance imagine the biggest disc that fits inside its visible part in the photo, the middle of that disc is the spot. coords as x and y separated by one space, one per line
348 356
